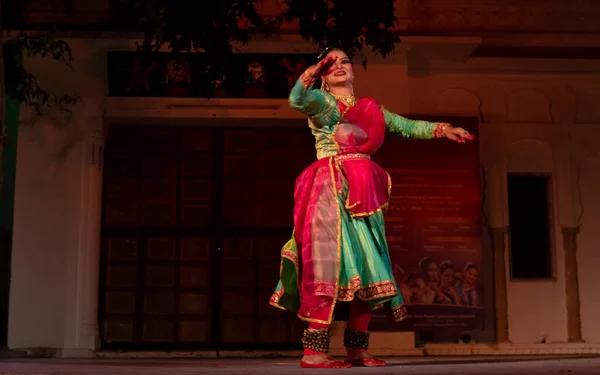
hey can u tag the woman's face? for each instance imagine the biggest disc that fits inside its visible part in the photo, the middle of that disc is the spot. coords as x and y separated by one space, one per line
471 276
416 284
433 272
341 72
447 278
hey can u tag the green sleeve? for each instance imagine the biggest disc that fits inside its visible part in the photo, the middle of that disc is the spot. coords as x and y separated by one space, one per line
398 125
320 106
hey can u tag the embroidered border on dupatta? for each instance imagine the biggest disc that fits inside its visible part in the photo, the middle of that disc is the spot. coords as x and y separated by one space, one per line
382 208
307 317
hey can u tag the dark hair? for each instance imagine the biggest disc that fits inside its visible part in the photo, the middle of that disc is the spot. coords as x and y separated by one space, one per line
470 266
446 265
424 263
325 51
412 276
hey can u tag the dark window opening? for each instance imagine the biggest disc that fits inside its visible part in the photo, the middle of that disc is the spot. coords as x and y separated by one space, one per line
530 222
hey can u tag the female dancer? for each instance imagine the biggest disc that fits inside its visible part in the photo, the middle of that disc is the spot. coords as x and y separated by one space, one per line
466 287
447 294
338 251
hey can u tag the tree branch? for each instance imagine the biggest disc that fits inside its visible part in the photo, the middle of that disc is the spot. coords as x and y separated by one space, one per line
23 86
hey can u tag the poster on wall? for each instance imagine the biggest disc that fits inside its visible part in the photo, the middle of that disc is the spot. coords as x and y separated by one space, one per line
433 231
246 75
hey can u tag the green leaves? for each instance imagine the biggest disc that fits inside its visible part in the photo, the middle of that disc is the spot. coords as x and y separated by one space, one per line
45 46
352 25
209 27
23 86
213 27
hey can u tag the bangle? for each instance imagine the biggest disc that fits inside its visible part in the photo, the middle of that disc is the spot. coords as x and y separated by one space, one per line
439 131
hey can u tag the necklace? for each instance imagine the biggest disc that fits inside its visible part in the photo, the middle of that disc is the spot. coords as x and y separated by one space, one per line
349 100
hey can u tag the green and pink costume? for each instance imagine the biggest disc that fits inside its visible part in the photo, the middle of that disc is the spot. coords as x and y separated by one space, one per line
338 250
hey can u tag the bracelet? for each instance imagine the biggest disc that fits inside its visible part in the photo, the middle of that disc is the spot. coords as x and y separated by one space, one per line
440 130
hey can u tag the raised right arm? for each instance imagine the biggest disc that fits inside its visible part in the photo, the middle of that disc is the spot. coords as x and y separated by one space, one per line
319 106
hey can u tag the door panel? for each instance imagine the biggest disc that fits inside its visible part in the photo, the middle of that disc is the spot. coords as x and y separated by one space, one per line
193 223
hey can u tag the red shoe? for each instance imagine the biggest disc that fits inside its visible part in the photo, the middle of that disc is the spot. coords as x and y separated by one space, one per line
329 363
367 362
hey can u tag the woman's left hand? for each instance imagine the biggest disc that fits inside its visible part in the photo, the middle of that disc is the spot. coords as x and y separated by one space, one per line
459 135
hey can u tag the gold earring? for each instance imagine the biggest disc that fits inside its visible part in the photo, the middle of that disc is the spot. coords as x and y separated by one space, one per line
325 87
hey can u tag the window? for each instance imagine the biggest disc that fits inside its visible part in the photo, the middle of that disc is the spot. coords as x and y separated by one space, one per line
530 220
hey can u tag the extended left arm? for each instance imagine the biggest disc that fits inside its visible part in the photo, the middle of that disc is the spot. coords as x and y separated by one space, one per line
398 125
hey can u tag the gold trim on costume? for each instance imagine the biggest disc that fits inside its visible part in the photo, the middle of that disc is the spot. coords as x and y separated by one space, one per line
339 240
378 290
346 293
307 314
308 319
372 291
382 208
338 166
275 297
348 205
291 256
367 293
324 289
354 156
399 313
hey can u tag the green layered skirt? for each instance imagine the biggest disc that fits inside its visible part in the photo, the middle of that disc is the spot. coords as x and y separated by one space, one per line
365 269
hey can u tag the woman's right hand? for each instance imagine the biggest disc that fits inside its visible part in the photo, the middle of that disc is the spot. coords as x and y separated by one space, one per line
322 67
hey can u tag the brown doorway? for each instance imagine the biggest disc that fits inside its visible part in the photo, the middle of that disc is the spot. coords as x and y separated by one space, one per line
193 223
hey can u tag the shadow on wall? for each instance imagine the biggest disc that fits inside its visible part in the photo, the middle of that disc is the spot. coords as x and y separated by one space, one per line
5 251
8 165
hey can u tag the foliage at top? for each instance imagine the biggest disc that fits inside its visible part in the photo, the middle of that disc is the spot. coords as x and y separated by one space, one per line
214 27
352 25
20 84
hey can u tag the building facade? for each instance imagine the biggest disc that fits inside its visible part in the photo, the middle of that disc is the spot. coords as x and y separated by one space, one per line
529 77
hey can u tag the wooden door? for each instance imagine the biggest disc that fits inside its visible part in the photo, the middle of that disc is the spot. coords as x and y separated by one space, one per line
193 223
260 168
156 286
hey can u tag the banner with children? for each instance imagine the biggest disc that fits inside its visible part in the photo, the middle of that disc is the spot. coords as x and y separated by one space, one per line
433 230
